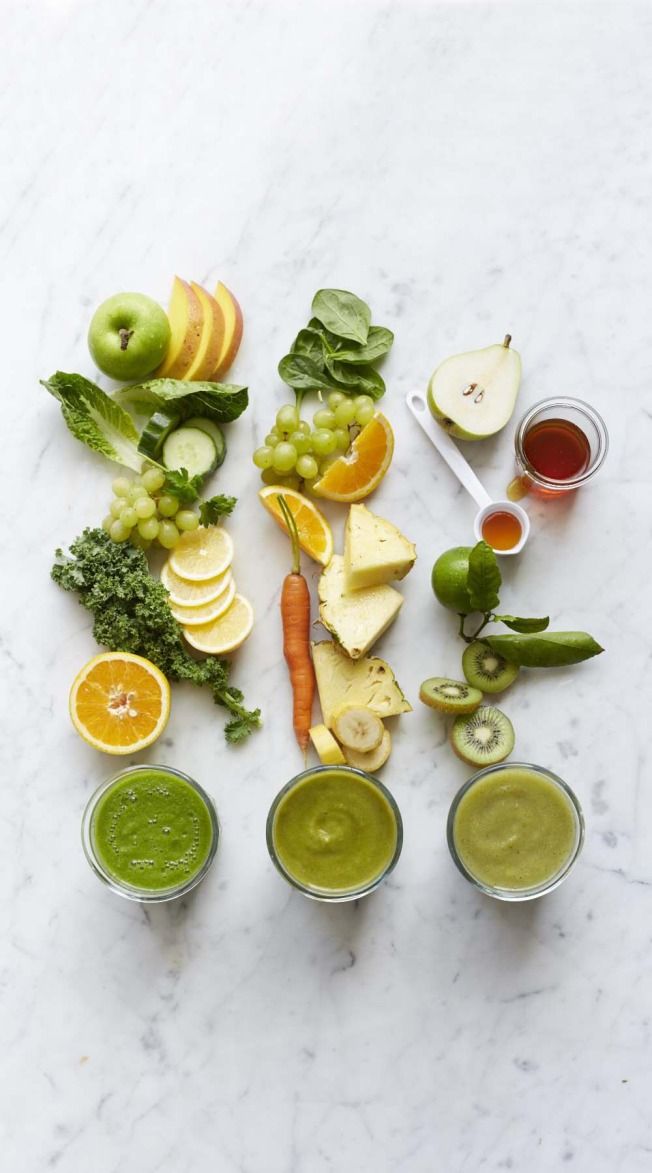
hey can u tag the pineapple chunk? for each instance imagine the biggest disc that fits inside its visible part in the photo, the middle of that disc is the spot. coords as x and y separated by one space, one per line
328 751
356 618
369 683
375 551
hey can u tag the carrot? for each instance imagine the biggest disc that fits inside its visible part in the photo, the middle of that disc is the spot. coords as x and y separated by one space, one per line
295 614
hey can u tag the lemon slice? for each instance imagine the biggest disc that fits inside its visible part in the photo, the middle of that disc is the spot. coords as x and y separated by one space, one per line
193 594
226 633
206 612
119 702
203 553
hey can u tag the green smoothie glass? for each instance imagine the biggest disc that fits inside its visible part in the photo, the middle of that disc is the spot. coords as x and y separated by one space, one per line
150 833
334 833
515 831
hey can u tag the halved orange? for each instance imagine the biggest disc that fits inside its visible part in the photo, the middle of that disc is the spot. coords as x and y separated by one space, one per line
360 471
315 534
119 703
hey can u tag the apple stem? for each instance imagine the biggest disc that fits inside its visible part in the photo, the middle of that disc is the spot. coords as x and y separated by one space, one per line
125 335
506 341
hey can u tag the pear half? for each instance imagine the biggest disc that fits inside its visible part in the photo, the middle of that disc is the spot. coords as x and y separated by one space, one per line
473 395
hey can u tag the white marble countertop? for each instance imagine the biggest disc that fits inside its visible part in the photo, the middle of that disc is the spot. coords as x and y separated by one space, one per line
469 169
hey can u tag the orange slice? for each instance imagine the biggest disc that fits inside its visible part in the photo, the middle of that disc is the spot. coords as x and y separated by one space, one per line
315 534
226 633
356 475
119 703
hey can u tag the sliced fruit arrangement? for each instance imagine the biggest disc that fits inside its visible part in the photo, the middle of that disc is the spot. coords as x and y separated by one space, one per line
119 703
356 618
356 474
203 599
314 532
206 331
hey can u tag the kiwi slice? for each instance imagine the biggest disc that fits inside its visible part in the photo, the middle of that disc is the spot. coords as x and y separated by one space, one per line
483 737
487 670
449 696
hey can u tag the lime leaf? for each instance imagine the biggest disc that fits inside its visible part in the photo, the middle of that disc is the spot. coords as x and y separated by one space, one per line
551 649
523 625
483 582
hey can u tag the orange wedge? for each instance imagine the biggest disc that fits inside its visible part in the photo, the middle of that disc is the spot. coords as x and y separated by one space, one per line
315 534
119 703
356 475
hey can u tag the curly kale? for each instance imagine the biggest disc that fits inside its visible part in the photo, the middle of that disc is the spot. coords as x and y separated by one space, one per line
131 613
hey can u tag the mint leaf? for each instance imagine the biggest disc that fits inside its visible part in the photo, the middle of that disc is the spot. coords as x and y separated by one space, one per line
182 486
552 649
523 625
483 582
211 510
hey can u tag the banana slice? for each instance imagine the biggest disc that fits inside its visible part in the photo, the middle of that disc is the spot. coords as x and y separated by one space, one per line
370 762
358 729
328 750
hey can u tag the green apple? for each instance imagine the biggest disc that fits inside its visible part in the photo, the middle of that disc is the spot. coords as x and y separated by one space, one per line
473 395
129 336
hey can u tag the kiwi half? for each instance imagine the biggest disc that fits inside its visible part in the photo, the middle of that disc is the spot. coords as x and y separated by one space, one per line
484 737
449 696
487 670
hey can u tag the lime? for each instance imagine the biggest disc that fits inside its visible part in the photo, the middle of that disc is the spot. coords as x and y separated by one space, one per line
449 575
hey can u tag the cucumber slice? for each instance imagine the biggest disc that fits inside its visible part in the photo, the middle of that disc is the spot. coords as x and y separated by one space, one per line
192 449
155 432
213 430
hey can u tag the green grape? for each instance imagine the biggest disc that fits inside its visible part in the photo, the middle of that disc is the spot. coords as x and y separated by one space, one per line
153 479
272 438
118 532
108 522
168 534
285 457
287 418
144 507
301 442
148 528
136 540
129 517
342 438
307 467
167 505
263 456
136 492
269 476
363 401
187 520
323 442
121 486
364 409
289 482
116 507
345 413
324 419
335 398
304 426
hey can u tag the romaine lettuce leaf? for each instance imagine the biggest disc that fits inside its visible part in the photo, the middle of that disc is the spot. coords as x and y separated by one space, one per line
96 419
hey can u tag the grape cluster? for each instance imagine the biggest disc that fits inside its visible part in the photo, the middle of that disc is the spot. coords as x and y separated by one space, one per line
294 451
142 513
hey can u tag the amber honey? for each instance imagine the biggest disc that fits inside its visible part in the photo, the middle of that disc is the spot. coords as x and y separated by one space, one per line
501 530
557 449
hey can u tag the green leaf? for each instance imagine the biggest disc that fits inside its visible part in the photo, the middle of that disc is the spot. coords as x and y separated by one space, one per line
343 313
182 486
523 625
379 342
96 418
211 510
221 402
483 582
356 379
311 344
302 374
552 649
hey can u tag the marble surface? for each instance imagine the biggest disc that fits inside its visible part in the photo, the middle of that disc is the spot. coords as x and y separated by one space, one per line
469 169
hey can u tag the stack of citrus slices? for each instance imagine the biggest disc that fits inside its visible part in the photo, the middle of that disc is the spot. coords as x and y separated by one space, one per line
203 599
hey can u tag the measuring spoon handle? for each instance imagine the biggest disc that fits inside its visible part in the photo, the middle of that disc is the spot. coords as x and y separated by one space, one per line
447 448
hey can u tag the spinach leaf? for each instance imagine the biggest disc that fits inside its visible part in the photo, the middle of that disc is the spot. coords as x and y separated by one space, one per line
551 649
483 582
309 343
379 342
357 378
301 373
221 402
343 313
523 625
96 419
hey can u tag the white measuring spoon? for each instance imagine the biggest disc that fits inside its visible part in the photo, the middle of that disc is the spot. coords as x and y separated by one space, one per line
465 474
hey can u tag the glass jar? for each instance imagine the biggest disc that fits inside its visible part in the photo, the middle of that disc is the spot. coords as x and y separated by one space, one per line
578 418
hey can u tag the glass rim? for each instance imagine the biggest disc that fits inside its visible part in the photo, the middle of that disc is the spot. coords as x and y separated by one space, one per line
583 408
517 895
130 891
334 896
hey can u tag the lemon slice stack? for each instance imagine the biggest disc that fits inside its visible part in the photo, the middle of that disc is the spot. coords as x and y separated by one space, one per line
203 598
